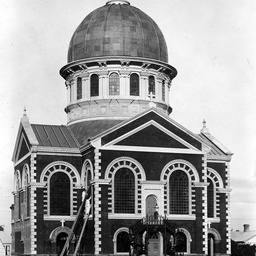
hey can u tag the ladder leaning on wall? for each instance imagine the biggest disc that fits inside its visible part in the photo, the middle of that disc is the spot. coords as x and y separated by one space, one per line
76 230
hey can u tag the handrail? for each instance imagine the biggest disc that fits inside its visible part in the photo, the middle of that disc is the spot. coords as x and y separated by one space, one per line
80 214
82 232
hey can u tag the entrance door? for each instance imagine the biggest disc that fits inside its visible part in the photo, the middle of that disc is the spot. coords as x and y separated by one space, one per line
150 205
210 245
153 247
61 239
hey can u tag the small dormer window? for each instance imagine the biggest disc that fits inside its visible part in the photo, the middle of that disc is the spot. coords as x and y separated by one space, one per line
114 84
134 85
94 85
79 88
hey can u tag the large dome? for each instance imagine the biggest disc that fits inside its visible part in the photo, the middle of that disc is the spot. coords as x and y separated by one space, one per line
118 29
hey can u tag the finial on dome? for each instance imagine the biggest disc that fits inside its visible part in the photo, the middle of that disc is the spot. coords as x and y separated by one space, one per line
24 111
118 2
204 129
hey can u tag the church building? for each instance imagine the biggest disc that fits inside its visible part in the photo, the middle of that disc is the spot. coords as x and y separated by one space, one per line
121 177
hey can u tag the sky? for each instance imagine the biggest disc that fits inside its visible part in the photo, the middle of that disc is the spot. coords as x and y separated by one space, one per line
210 42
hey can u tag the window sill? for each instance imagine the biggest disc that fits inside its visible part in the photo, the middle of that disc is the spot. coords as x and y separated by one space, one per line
124 216
180 217
59 218
214 220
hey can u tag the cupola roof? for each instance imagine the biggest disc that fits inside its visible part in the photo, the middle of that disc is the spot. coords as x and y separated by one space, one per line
117 29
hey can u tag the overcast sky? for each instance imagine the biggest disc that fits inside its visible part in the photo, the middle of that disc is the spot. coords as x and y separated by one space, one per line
210 42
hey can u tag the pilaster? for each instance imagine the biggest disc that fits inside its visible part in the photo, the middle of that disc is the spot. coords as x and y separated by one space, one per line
33 207
97 210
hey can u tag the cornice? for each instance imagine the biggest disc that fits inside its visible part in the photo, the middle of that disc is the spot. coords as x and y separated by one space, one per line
56 150
82 65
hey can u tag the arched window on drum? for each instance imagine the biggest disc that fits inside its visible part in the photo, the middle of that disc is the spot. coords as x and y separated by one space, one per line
114 84
94 85
134 85
79 88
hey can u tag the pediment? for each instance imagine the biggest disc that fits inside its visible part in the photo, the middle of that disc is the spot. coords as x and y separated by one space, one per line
23 147
151 136
24 141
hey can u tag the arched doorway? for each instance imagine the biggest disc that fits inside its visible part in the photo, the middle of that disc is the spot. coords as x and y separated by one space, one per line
60 242
211 243
151 204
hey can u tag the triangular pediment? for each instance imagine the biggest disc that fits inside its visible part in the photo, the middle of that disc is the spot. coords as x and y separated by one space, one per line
149 131
152 135
23 147
24 141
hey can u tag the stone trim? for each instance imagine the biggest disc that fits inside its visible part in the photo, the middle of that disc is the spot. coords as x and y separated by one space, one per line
204 184
228 210
33 207
97 204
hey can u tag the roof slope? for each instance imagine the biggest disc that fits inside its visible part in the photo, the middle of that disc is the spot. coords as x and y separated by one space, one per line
54 136
240 236
86 130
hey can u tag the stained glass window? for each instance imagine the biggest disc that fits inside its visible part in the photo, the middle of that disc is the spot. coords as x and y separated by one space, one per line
124 191
94 85
114 84
134 85
179 193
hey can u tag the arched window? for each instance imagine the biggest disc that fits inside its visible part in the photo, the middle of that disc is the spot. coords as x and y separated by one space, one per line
124 191
134 85
94 85
59 194
26 182
123 242
114 84
79 88
180 242
86 174
163 90
210 199
151 85
179 193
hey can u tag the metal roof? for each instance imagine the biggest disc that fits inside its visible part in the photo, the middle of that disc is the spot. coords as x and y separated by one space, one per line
54 136
83 131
